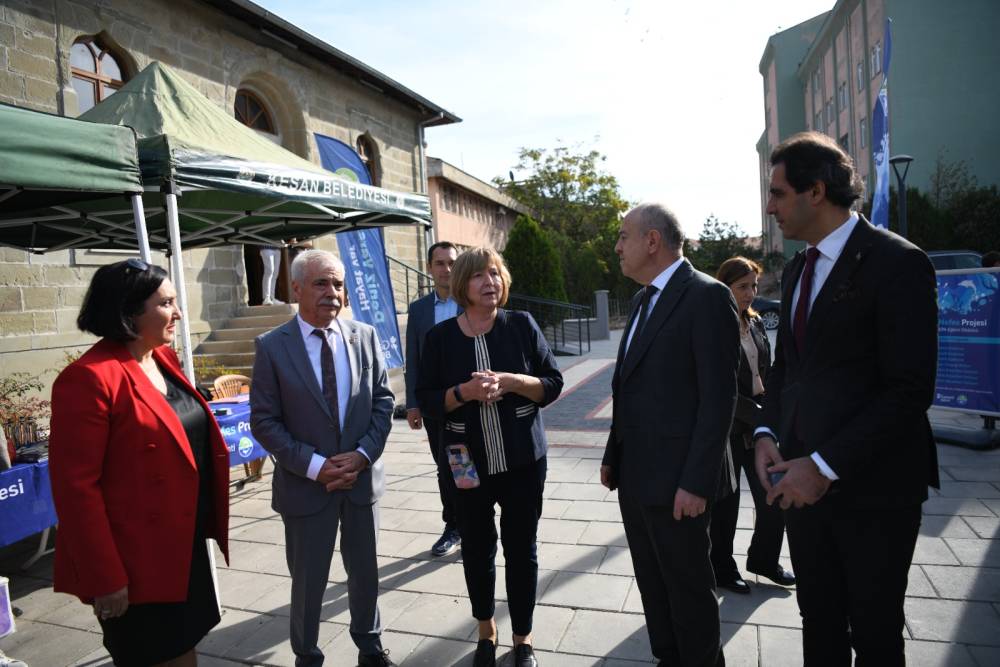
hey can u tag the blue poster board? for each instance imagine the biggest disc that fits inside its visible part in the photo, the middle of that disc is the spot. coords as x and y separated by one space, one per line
26 505
235 426
968 375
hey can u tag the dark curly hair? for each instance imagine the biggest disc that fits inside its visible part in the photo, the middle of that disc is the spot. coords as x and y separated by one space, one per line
811 157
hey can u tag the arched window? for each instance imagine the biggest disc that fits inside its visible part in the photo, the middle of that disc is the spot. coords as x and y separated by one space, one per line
250 111
368 155
97 72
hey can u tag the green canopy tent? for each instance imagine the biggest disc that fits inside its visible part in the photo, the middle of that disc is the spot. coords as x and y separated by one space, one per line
55 171
234 185
212 181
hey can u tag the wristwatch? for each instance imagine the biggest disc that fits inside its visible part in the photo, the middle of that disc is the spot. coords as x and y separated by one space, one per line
458 393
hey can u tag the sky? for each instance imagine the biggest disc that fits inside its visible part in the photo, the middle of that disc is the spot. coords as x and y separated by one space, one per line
669 91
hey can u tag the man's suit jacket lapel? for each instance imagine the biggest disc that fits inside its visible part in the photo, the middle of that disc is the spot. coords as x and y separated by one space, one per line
352 344
296 349
838 282
425 313
620 359
790 278
665 305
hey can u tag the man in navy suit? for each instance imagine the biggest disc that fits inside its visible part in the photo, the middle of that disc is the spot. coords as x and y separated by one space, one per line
424 313
845 415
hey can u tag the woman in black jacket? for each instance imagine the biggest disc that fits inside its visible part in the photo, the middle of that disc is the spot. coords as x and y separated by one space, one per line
740 275
484 375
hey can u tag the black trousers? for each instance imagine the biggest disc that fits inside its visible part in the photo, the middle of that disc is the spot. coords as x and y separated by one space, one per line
446 488
519 494
851 569
768 530
676 583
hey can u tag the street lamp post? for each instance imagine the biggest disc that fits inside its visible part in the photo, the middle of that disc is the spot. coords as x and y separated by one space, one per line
896 161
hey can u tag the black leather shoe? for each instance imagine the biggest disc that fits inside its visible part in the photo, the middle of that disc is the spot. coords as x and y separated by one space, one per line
734 584
375 660
486 654
524 656
450 540
778 575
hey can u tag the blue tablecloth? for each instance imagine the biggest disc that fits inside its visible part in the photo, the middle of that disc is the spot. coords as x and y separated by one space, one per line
26 504
235 426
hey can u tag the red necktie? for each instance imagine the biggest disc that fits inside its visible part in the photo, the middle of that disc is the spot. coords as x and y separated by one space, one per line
802 307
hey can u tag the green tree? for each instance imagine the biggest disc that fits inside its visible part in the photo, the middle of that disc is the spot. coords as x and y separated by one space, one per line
533 261
955 213
579 204
975 215
718 241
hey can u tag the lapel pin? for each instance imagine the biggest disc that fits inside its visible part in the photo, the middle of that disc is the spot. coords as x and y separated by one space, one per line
353 339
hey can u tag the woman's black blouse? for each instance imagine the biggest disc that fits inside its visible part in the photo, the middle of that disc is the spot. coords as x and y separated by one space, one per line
515 345
195 422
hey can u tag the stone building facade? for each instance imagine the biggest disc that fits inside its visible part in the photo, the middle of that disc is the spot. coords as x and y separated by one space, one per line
467 211
224 48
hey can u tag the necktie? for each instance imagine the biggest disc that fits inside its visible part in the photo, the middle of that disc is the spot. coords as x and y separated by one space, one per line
647 294
802 307
329 372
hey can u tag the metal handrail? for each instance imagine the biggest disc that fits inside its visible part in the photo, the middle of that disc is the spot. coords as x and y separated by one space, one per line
552 316
423 283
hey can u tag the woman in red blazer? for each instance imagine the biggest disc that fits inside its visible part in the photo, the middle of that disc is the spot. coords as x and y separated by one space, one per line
140 475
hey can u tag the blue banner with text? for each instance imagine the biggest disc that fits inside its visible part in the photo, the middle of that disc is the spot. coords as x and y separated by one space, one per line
363 254
968 374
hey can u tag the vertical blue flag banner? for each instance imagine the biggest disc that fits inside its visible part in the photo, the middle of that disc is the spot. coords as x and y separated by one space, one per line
363 254
880 139
968 374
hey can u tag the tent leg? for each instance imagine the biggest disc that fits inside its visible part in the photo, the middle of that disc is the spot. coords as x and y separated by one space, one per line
140 228
177 272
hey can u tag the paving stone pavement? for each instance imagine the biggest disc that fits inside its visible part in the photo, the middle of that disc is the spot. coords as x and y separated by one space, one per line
589 612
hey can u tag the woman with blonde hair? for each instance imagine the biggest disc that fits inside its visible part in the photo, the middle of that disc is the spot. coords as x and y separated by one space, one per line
485 375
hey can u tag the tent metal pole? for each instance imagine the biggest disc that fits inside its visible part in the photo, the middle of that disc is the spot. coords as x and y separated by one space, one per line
140 228
177 271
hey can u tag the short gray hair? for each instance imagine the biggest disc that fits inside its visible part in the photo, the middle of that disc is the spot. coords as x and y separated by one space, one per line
304 259
652 215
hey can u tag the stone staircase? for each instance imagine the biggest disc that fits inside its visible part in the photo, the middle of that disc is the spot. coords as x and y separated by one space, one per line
232 345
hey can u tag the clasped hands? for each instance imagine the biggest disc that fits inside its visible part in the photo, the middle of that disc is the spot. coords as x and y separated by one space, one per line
341 471
803 483
489 387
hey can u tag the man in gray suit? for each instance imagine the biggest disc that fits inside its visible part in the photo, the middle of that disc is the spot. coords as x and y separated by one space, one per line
321 405
423 314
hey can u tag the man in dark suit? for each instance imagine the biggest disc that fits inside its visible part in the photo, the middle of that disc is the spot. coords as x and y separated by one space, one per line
321 405
674 392
423 314
847 399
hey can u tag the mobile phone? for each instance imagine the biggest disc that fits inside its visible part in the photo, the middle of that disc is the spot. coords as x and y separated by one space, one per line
462 467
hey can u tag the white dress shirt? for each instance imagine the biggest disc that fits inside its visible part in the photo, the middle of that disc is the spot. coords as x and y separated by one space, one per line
342 366
830 249
660 282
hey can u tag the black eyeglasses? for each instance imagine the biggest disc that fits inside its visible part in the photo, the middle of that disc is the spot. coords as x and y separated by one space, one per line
137 264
